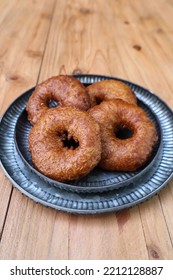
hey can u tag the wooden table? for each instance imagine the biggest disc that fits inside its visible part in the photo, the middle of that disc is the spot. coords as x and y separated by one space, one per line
126 39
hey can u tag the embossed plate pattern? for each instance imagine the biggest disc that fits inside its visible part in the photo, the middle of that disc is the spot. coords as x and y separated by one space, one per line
39 190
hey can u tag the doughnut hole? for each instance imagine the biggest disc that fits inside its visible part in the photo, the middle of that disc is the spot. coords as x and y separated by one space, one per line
128 135
98 100
52 103
123 132
68 141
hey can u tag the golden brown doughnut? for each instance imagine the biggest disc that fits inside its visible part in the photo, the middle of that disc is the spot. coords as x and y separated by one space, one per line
65 143
114 117
110 89
66 90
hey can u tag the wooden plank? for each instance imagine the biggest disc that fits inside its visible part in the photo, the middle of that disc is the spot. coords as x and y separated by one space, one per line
138 30
23 27
146 24
33 231
5 193
166 197
155 32
157 235
23 44
80 39
108 236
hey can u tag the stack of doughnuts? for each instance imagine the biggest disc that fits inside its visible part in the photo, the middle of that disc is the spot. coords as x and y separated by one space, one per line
98 125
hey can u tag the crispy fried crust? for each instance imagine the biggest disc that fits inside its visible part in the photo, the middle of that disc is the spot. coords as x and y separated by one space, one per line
52 156
124 154
66 90
110 89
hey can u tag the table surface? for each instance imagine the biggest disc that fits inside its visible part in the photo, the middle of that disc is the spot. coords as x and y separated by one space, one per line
131 40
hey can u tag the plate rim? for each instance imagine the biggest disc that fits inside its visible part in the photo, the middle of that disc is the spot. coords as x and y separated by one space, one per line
87 211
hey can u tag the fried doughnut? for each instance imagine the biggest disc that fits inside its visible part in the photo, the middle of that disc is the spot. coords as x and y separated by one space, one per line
110 89
117 117
66 90
65 143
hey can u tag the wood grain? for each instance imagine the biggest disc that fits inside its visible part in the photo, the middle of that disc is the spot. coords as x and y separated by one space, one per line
21 51
24 30
5 194
33 232
127 39
107 236
157 236
166 197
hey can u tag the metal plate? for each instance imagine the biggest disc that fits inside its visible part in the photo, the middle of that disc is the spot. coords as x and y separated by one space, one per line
98 180
28 182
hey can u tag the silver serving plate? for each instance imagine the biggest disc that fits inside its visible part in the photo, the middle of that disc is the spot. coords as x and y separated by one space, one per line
100 191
